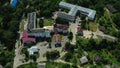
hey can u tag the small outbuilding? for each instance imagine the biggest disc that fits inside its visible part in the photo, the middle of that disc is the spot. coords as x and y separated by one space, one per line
83 60
32 50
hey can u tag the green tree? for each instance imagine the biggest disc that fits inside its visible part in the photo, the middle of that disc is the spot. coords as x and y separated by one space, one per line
68 56
41 23
116 53
70 35
116 19
69 47
92 44
53 54
33 57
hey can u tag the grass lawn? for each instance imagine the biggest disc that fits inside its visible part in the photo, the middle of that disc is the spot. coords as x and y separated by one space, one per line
22 26
57 65
30 65
106 55
111 27
93 26
48 22
19 42
109 56
1 19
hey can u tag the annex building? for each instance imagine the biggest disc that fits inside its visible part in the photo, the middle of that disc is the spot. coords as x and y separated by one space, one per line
33 30
70 16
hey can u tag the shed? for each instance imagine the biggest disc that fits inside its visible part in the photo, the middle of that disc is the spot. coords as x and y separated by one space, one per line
83 60
32 50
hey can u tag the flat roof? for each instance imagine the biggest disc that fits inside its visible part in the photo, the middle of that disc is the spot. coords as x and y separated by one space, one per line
32 50
65 16
75 8
40 30
31 20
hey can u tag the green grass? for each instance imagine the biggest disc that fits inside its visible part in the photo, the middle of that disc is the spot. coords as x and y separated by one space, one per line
44 55
57 65
112 26
37 55
48 22
19 42
1 19
93 26
105 54
30 65
37 25
22 26
109 56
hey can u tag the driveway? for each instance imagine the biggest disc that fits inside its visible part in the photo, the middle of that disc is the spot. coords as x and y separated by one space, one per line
42 50
73 29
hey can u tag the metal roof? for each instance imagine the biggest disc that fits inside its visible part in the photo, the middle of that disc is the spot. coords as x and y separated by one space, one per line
83 60
65 5
25 37
74 9
65 16
31 20
32 50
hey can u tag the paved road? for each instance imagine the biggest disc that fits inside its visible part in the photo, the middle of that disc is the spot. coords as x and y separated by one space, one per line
73 29
18 48
98 34
42 50
17 57
62 61
105 36
55 15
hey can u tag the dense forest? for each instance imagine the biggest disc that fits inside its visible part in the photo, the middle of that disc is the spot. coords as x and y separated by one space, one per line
10 18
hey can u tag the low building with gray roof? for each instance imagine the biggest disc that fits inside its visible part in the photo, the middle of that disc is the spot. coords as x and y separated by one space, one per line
32 50
65 16
41 32
32 30
83 60
31 19
74 9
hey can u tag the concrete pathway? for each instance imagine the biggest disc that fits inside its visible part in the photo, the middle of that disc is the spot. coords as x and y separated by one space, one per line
62 61
73 29
18 47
